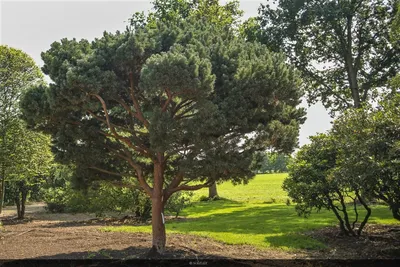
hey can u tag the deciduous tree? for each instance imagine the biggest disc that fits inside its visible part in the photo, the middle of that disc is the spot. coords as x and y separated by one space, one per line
29 162
17 72
342 48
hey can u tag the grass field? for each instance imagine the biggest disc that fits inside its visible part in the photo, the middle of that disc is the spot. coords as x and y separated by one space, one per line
254 214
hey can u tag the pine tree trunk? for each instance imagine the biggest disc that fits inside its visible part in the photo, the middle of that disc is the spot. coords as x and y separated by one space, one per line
157 213
158 228
212 191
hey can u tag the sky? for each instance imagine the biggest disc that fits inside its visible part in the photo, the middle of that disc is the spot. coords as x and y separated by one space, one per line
33 25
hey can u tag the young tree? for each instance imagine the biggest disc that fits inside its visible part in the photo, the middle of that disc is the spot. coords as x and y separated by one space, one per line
176 106
342 48
17 73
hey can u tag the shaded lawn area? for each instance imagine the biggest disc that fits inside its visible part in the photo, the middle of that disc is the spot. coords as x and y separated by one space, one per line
245 219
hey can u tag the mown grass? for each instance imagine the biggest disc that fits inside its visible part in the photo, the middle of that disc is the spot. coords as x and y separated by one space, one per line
246 217
263 188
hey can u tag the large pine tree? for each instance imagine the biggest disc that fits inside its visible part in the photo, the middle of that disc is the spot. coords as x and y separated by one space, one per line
175 106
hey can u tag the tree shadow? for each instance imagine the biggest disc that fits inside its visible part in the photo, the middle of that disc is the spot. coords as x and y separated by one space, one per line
210 206
12 220
274 219
132 253
279 224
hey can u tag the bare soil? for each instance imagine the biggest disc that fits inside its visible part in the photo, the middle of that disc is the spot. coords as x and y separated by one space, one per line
78 236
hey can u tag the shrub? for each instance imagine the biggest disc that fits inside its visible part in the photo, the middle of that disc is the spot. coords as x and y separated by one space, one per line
316 182
101 198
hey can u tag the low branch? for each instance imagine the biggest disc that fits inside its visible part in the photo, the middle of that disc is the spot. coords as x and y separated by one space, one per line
142 181
190 187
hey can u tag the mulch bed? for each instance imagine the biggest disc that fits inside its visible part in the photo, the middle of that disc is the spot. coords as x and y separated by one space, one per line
83 239
376 242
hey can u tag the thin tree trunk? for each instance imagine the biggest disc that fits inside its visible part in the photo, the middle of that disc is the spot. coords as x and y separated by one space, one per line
2 192
24 193
364 222
351 71
157 212
212 191
18 204
341 223
345 215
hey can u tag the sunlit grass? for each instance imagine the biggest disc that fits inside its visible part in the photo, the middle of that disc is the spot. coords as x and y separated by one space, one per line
263 188
244 218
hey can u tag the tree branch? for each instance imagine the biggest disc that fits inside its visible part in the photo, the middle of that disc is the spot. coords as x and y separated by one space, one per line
170 96
139 113
190 187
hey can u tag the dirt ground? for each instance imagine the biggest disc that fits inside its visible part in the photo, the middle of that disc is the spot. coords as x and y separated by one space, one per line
78 236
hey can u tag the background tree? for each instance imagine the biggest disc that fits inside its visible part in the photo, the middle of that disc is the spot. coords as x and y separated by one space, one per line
149 104
341 47
224 16
29 158
17 73
395 39
273 162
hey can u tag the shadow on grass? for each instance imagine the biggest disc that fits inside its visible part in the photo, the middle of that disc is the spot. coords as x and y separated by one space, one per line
279 224
210 206
294 241
268 219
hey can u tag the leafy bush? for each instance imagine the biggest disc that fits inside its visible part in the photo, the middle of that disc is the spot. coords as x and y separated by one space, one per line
55 199
104 197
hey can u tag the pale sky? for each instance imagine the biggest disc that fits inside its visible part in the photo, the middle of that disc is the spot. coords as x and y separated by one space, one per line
33 25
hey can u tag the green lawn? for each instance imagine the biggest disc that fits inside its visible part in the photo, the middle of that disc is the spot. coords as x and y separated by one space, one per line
249 217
